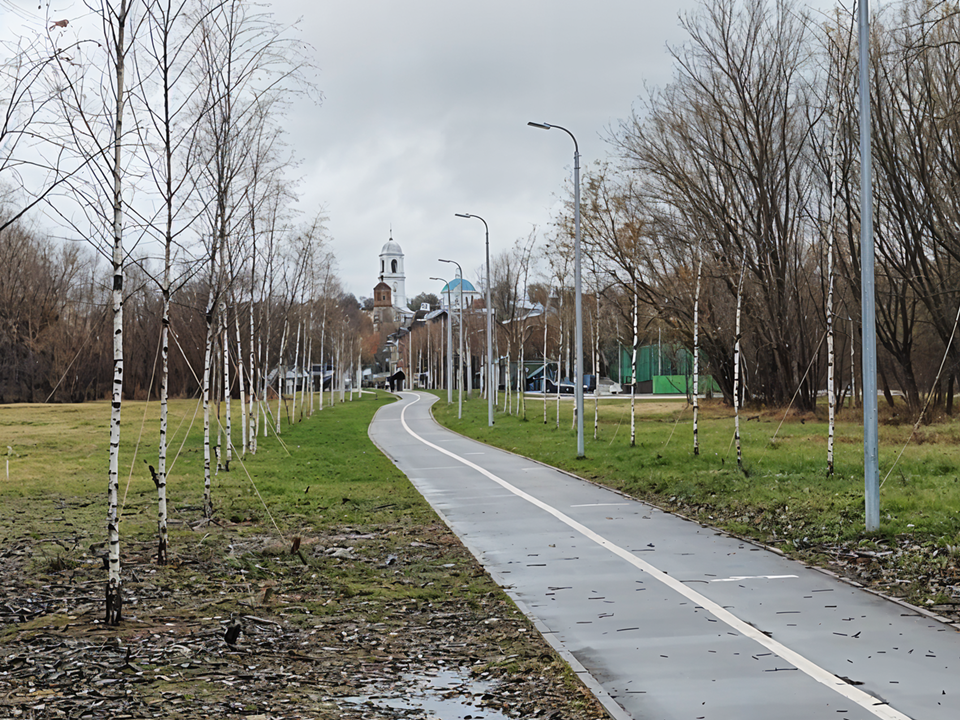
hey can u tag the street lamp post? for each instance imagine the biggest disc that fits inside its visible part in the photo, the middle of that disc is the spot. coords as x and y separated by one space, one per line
460 359
868 355
489 306
449 343
578 296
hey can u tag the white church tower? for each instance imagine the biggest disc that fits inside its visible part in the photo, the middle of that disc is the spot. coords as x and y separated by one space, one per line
391 271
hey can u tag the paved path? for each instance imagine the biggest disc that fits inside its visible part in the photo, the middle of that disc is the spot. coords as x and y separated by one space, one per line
664 618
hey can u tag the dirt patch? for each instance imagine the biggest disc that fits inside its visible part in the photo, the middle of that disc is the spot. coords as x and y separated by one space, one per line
239 626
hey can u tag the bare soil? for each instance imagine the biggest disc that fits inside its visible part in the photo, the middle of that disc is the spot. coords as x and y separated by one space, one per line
305 642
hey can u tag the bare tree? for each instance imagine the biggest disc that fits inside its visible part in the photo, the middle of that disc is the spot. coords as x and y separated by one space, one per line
721 155
95 107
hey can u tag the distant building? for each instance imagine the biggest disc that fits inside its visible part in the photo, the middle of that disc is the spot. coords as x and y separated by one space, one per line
391 271
451 293
389 295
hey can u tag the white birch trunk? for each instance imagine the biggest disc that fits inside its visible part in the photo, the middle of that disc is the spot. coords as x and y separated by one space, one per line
227 425
323 365
310 371
264 404
853 371
216 389
469 370
296 371
831 354
543 379
696 359
264 399
596 371
240 384
633 367
207 368
507 407
559 358
521 386
161 477
280 375
114 589
343 384
736 371
252 413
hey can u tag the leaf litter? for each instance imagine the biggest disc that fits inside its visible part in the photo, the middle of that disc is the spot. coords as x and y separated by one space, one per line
238 627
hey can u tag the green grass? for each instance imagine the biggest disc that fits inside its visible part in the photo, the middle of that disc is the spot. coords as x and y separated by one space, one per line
324 477
783 492
404 580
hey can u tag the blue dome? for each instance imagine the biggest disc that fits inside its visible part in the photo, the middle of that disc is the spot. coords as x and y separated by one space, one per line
454 287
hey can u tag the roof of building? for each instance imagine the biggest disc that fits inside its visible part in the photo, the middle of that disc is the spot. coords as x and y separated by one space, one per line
454 285
391 247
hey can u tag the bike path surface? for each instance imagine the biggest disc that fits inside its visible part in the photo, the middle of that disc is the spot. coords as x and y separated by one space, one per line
664 618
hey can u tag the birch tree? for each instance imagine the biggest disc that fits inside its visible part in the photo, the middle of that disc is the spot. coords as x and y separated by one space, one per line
173 114
94 98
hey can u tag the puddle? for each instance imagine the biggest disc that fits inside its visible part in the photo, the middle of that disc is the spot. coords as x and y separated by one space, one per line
446 695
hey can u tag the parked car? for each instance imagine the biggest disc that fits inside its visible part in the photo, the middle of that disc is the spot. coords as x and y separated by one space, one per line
566 387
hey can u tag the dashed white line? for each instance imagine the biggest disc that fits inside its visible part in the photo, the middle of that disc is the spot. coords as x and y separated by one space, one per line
601 505
737 578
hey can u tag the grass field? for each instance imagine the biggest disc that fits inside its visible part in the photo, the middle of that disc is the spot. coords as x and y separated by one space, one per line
340 574
783 493
321 474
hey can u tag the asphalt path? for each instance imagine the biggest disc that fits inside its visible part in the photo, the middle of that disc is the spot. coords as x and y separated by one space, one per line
664 618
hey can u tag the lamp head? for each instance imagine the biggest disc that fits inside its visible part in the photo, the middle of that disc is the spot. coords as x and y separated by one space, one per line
465 215
542 126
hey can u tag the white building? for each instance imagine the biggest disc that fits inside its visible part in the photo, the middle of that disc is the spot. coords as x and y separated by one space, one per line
451 293
391 272
390 294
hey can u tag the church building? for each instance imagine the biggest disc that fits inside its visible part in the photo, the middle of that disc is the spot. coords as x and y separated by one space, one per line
390 294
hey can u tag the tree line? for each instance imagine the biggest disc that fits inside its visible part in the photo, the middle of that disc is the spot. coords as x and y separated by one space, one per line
149 132
747 164
727 213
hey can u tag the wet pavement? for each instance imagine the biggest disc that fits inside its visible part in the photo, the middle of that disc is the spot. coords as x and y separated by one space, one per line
451 695
662 617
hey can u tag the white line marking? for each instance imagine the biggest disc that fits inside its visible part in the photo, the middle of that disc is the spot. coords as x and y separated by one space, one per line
601 505
808 667
735 578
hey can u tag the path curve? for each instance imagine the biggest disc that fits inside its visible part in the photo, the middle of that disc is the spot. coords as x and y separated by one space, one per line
662 617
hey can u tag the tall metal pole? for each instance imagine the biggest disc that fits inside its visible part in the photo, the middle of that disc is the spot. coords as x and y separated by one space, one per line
871 460
578 294
489 308
460 358
449 342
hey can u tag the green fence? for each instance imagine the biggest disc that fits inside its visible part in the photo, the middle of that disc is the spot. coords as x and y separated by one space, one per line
664 370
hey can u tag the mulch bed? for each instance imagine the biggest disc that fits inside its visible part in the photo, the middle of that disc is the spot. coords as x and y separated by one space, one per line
170 657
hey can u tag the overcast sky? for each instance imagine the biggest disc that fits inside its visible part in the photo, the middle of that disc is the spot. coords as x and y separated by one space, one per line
425 112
